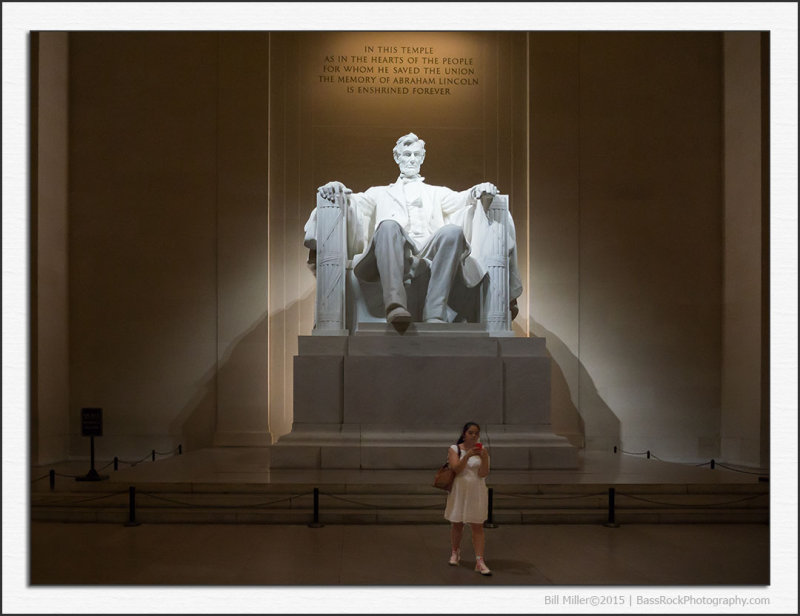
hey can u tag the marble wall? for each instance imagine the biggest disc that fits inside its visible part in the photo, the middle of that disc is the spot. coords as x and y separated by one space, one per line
626 234
49 330
745 354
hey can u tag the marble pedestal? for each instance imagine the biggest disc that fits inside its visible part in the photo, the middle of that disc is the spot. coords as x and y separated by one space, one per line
380 399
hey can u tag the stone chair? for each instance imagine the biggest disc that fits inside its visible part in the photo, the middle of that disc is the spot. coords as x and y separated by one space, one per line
376 397
343 301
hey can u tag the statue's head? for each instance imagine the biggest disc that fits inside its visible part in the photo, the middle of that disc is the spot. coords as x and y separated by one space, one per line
409 154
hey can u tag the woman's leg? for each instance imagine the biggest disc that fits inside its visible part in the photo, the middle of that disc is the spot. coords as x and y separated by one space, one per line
479 542
456 532
478 539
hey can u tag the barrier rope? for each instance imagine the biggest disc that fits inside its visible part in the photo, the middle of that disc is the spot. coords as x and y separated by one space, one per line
83 500
316 524
711 463
380 508
655 457
57 474
386 508
153 453
546 497
136 462
166 453
561 497
730 468
655 502
116 461
195 505
634 453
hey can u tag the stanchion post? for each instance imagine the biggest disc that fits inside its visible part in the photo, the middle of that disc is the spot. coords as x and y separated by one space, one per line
648 454
154 455
712 464
612 523
91 426
132 507
180 449
52 479
315 523
92 475
489 523
116 463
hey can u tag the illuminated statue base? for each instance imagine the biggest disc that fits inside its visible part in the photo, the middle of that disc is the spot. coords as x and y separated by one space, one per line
384 400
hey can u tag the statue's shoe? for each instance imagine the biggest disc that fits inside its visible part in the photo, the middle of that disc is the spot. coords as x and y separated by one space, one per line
398 314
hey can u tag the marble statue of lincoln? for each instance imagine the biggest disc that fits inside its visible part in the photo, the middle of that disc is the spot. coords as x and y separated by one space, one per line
393 229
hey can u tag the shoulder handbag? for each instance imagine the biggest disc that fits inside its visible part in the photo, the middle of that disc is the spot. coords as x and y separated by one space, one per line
444 477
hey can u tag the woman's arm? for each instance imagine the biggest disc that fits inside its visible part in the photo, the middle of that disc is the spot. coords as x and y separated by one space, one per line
483 469
455 463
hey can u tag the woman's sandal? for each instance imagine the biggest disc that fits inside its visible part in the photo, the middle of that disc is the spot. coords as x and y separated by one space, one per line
481 567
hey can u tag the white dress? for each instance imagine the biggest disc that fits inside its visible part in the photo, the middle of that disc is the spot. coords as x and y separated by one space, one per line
468 500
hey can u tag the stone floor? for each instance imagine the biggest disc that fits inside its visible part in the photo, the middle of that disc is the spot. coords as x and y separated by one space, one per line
225 554
222 568
375 568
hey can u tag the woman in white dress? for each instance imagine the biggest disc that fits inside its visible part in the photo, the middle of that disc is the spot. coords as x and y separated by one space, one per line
468 501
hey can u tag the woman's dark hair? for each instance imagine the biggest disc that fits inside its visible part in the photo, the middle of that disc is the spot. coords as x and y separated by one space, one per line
466 427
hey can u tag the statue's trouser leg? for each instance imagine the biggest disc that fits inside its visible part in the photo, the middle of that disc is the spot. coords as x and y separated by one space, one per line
389 243
445 253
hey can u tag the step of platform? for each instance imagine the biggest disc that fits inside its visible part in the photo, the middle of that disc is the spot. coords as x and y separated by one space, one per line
422 329
320 450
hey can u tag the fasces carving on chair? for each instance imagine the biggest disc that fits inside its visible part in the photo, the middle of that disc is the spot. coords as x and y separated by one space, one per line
413 251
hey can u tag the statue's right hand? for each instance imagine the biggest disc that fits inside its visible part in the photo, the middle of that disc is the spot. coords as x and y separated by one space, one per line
331 189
